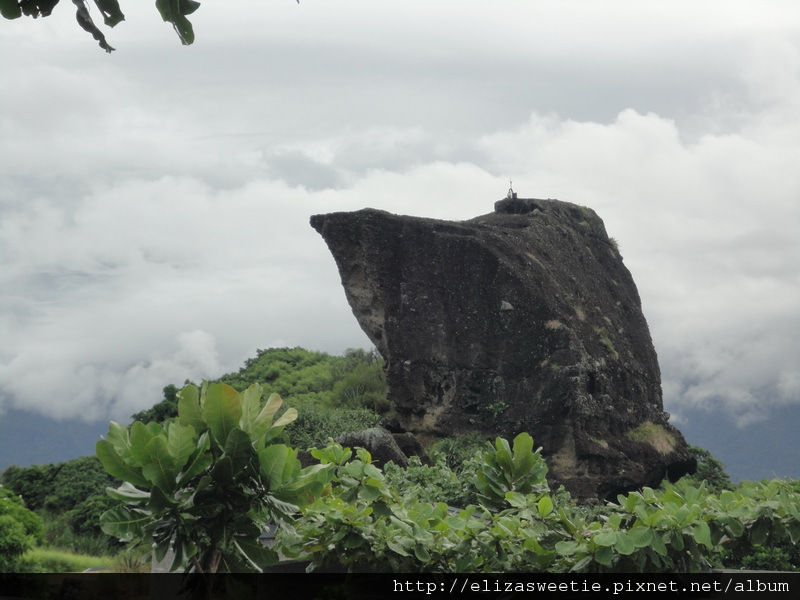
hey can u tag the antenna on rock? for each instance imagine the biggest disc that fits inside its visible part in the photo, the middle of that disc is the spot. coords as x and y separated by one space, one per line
511 193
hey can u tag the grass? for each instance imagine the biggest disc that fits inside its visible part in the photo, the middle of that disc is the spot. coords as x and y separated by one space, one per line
53 560
653 434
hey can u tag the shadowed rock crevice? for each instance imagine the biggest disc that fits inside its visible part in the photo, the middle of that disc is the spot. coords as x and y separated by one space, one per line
524 319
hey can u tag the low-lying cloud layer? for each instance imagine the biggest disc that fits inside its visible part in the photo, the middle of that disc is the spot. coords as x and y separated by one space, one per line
154 214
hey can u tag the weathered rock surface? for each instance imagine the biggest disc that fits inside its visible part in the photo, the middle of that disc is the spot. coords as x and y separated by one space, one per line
525 319
380 443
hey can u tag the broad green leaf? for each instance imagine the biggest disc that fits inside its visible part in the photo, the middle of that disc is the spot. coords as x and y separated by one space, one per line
127 492
198 462
504 460
125 523
274 462
239 449
116 467
119 437
222 471
523 453
222 409
397 548
160 468
140 437
657 544
605 538
160 550
159 501
759 531
727 499
734 525
545 506
370 493
272 406
604 556
256 553
624 544
189 411
288 417
251 406
702 534
641 536
181 442
567 548
372 471
421 553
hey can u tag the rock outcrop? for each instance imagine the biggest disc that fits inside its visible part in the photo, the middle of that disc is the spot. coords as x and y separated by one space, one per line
379 442
525 319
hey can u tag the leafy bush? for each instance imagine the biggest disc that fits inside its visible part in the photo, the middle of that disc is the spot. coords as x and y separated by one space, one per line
434 483
457 450
206 484
20 529
315 424
364 521
709 470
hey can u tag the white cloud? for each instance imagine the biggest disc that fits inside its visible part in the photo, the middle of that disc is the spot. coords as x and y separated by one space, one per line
155 203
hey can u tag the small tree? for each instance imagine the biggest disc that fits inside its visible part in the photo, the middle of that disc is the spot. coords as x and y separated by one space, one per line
206 483
20 529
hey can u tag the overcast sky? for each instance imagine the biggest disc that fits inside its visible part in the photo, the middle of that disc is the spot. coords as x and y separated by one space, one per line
154 202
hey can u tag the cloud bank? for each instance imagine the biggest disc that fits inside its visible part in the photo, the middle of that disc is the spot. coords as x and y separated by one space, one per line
154 208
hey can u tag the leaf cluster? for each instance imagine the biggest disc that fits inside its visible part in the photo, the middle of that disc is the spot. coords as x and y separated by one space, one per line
206 483
521 525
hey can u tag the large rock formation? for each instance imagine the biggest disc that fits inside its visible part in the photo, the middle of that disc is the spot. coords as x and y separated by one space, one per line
525 319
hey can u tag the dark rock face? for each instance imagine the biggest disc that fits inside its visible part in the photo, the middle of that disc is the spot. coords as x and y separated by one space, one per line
525 319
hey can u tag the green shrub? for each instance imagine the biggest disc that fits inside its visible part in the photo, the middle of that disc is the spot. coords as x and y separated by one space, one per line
364 521
457 450
435 483
20 529
204 485
315 424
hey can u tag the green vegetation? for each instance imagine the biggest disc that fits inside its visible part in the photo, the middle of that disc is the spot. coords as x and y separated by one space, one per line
334 394
605 340
49 560
204 485
476 506
70 497
364 521
709 471
20 530
456 451
653 434
496 409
